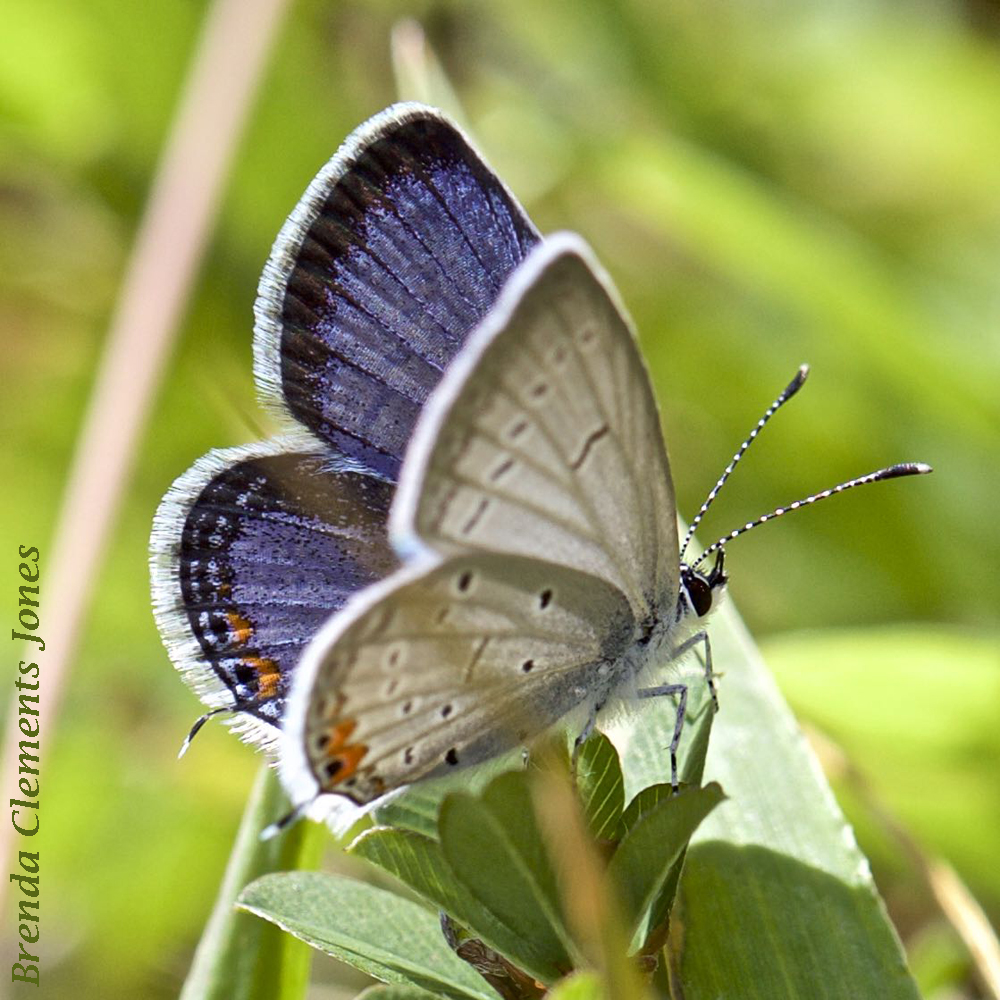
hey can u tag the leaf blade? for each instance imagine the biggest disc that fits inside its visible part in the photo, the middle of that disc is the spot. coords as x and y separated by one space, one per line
518 885
779 801
601 786
388 937
642 864
419 862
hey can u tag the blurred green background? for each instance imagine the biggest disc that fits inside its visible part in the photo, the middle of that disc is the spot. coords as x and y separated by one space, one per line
768 183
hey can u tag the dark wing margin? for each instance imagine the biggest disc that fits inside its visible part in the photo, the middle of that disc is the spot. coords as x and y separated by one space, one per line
252 549
396 251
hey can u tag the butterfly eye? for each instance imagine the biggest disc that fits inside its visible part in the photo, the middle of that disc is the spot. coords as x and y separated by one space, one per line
701 595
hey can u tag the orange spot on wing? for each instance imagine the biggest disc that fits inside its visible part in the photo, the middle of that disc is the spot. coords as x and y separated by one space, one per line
242 628
268 676
339 735
346 756
349 758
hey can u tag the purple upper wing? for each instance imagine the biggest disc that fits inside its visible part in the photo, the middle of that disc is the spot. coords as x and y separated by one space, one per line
395 253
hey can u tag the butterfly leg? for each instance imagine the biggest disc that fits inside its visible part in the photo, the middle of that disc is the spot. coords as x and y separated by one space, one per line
584 734
686 647
199 723
682 691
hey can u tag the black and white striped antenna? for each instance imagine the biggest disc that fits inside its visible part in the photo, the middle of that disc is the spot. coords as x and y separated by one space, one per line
790 390
892 472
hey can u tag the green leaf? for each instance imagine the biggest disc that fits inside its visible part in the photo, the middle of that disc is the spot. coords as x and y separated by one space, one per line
778 852
418 807
801 922
643 803
390 938
583 985
494 847
698 726
646 855
419 862
239 958
416 810
601 786
396 993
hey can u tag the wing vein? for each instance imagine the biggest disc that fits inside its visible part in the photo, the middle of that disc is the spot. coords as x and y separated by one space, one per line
581 497
527 505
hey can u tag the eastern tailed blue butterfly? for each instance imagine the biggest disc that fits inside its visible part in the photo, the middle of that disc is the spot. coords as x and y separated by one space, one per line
413 326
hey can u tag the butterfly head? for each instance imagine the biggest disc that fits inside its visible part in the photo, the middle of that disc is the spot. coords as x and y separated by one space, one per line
698 590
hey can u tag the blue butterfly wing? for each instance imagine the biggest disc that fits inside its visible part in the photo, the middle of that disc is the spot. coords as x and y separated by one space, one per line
398 249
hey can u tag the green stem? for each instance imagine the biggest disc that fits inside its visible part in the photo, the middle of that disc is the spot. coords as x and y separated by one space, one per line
241 957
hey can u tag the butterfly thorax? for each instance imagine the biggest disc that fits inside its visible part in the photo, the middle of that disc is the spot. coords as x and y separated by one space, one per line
659 637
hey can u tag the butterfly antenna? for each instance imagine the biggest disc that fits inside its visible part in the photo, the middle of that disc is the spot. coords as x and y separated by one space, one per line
196 728
292 816
893 472
790 390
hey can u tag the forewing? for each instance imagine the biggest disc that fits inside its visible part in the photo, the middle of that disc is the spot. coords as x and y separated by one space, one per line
544 437
447 665
252 549
395 252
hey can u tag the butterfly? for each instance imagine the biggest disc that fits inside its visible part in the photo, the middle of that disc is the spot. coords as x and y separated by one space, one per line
468 531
